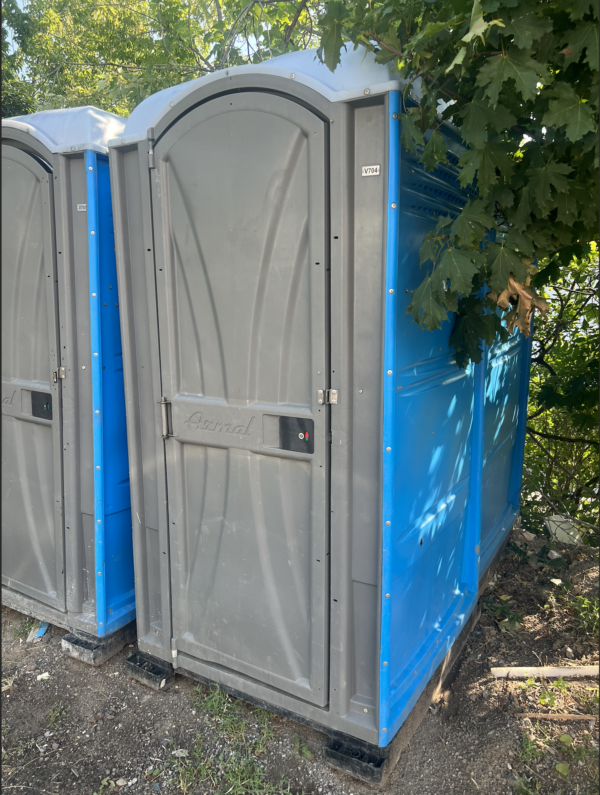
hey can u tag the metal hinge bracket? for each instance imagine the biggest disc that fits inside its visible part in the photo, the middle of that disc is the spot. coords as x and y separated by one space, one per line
165 411
151 160
327 397
60 373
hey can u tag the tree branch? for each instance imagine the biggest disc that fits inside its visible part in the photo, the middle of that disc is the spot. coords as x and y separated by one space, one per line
290 30
561 438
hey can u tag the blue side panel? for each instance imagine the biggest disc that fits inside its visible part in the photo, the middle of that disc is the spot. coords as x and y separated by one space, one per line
502 389
115 603
447 435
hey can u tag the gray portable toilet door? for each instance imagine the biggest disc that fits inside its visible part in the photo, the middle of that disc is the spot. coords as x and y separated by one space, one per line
32 526
240 219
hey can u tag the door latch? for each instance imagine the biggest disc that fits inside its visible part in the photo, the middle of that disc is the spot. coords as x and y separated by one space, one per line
60 373
327 397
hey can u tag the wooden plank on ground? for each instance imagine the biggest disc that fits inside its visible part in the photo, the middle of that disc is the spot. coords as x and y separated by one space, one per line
546 671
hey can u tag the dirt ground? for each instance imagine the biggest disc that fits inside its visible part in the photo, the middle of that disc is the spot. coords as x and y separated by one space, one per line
69 728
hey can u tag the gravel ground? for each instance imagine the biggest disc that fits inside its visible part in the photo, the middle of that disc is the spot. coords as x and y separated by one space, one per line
68 728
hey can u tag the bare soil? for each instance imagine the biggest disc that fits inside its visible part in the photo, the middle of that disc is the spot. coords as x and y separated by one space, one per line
83 730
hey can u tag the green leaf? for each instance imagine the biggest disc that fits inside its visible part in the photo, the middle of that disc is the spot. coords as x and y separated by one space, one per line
522 217
584 37
428 250
503 262
540 180
563 768
456 266
410 135
331 40
483 163
435 151
458 59
478 115
516 66
566 208
526 27
580 9
570 111
433 28
426 307
565 739
472 223
478 25
520 241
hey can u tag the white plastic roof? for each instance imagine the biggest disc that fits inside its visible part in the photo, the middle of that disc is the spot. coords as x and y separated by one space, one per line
70 129
357 75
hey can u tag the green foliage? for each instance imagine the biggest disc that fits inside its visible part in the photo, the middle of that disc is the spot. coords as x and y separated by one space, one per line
520 81
56 713
561 452
67 53
586 611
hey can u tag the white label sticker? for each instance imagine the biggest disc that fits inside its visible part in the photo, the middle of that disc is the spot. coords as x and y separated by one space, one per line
81 208
370 171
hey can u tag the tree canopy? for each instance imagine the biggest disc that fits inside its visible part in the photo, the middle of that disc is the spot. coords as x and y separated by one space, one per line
522 80
114 54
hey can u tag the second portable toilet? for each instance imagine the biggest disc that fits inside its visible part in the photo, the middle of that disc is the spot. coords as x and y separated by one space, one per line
66 517
318 490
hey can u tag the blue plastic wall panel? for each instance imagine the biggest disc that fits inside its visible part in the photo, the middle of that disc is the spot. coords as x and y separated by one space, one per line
115 600
437 433
502 390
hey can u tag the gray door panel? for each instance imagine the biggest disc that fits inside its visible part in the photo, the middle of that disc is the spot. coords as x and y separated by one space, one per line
240 216
32 531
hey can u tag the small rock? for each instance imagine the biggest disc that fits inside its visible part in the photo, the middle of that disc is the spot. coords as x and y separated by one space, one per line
553 555
120 782
54 746
569 653
527 535
533 562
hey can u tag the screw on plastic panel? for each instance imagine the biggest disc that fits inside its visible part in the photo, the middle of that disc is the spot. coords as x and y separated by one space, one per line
97 521
92 233
391 292
97 411
93 295
367 90
360 391
293 76
384 730
389 449
170 104
365 710
394 115
90 168
389 372
393 206
387 596
387 524
384 664
99 574
97 467
83 366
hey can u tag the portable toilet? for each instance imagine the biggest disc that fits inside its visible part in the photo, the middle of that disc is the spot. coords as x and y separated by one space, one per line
66 519
317 488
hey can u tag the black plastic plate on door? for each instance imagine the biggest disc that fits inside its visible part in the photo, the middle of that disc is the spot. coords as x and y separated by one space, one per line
41 405
297 434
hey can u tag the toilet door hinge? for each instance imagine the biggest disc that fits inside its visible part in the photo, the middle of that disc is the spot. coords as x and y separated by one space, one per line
174 652
60 373
151 160
165 414
327 397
